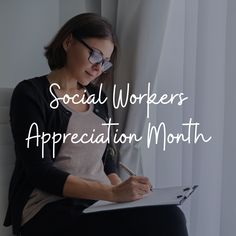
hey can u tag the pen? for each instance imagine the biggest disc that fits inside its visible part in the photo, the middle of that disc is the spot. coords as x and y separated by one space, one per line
130 172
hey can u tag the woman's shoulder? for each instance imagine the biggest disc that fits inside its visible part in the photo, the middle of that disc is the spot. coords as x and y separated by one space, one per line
33 87
36 82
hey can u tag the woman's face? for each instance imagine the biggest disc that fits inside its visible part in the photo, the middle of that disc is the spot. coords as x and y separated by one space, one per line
78 54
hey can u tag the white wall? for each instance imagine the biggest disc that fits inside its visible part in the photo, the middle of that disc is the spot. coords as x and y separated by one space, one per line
76 7
26 27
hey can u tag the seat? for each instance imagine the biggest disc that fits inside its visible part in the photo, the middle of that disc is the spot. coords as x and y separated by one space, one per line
7 156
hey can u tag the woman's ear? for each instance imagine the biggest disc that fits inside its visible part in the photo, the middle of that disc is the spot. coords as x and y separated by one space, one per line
67 42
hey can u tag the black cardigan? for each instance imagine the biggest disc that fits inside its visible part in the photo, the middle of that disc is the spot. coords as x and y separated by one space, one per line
30 102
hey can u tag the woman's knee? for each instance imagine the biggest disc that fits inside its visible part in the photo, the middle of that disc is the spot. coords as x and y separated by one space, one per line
175 214
167 220
166 216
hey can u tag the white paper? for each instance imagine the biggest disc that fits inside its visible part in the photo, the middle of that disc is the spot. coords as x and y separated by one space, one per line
159 196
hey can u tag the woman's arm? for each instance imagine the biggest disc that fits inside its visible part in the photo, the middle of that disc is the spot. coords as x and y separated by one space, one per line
26 108
131 189
77 187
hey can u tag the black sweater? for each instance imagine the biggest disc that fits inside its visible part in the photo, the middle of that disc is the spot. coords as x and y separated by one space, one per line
30 102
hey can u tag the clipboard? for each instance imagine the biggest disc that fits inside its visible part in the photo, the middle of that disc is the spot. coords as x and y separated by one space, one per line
159 196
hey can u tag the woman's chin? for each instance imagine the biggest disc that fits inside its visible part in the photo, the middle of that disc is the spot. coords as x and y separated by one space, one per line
83 83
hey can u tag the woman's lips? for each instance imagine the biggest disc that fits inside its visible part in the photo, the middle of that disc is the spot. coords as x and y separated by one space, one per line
90 74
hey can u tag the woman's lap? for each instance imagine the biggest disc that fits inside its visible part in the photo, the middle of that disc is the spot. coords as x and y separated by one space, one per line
60 218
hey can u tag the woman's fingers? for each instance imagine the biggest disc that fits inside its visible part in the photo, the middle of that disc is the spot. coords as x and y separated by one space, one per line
143 181
144 188
133 188
140 188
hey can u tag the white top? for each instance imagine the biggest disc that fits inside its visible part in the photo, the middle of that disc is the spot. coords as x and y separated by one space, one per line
79 159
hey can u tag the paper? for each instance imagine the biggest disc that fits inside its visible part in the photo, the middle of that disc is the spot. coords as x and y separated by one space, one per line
160 196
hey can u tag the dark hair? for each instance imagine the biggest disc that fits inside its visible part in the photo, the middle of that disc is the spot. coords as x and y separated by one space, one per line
86 25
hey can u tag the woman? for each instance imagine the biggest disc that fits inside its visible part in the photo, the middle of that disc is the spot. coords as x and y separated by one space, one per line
47 195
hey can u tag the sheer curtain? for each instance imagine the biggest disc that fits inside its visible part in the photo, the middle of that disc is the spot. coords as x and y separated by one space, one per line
178 46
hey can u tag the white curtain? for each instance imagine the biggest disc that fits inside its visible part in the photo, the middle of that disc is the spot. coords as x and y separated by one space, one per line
141 36
179 46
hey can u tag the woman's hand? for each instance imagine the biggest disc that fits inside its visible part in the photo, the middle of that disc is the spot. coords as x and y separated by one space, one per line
131 189
134 188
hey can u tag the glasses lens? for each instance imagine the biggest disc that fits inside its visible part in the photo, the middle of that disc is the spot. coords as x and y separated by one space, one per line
106 65
95 57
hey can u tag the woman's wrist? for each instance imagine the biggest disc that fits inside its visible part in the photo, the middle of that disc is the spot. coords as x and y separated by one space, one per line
114 179
80 188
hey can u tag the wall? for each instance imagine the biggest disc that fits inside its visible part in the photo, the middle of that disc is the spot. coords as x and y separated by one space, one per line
76 7
26 27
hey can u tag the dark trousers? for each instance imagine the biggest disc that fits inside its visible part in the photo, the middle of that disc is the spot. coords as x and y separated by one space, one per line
61 218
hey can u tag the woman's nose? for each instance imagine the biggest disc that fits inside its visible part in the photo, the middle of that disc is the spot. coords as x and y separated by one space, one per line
97 67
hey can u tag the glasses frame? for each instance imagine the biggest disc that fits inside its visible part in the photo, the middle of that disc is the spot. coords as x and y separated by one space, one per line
92 50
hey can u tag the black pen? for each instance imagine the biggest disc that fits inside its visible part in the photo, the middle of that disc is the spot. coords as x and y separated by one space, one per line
130 172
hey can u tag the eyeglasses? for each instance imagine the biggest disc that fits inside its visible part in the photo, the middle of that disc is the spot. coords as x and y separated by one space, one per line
96 57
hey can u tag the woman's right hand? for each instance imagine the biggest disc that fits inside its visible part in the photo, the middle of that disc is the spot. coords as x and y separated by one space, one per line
134 188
